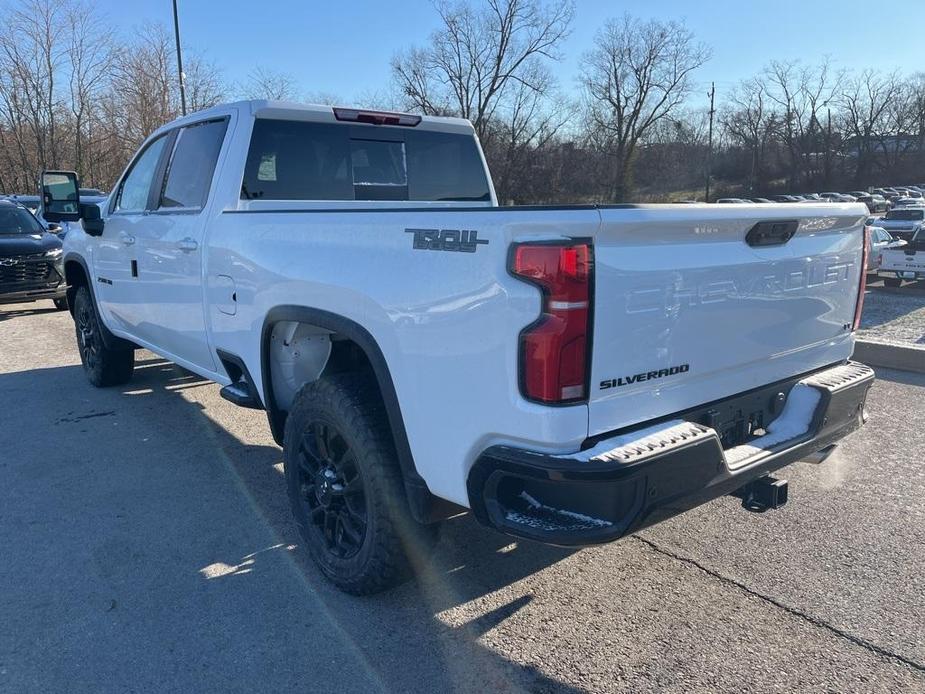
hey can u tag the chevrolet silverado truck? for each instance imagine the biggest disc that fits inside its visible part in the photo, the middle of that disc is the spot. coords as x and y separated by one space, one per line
569 374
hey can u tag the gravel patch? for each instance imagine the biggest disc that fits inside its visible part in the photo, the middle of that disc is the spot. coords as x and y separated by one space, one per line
893 319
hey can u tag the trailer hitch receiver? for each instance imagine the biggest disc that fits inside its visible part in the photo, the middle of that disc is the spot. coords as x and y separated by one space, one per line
763 494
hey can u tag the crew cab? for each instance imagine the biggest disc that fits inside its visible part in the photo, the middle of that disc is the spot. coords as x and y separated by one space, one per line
570 374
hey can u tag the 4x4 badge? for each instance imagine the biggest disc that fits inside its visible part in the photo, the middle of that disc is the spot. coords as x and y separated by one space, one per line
461 240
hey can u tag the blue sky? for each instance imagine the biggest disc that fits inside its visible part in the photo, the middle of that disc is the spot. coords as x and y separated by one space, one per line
344 48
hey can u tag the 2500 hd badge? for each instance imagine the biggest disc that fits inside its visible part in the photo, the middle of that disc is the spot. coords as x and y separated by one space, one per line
647 376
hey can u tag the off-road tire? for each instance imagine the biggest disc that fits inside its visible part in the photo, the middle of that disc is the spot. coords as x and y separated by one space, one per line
103 365
392 541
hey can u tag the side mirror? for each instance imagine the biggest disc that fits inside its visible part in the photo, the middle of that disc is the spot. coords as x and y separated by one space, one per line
60 192
93 220
54 228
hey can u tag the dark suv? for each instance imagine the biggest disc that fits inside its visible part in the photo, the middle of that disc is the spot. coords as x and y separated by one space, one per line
30 259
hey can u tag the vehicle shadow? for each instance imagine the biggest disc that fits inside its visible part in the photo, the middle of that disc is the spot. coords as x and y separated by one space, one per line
17 311
427 635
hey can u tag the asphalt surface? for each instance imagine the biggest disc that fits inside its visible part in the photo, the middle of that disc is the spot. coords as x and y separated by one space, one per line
147 546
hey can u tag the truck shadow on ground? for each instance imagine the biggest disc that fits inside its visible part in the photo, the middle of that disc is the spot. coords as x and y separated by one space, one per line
40 309
439 619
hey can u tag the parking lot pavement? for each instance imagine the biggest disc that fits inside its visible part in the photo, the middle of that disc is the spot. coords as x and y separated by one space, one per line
147 546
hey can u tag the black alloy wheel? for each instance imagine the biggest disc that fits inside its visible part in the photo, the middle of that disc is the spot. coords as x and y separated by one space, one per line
331 489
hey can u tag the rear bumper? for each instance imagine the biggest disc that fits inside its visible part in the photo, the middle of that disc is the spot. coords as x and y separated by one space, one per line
651 474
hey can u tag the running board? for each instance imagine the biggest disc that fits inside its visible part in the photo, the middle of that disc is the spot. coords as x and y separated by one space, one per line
239 394
241 390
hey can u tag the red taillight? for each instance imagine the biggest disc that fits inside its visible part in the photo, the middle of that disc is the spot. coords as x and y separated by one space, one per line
554 349
859 306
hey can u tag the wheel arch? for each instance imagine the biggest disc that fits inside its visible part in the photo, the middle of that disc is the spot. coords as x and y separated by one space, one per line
77 274
424 506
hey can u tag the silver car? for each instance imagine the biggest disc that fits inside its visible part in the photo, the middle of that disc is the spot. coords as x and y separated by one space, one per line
880 239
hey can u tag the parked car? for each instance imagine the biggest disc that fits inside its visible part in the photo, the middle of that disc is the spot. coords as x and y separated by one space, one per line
765 200
875 203
907 202
734 201
421 350
903 223
812 196
785 198
837 197
31 266
880 240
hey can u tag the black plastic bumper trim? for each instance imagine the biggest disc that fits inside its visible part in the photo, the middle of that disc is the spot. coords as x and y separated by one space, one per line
604 499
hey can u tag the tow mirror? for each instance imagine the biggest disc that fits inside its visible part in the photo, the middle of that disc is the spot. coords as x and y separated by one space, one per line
60 192
93 220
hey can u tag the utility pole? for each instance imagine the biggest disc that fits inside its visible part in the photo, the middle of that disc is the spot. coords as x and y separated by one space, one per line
176 33
828 148
710 142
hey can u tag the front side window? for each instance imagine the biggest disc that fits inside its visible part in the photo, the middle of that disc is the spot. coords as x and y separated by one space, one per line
297 160
189 174
133 195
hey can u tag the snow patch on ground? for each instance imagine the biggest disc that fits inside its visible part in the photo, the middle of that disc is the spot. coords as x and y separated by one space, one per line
895 319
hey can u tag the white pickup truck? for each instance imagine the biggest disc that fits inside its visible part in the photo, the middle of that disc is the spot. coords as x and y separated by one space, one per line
905 263
568 374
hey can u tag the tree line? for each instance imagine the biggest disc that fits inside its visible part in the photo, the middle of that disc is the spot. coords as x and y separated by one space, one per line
74 94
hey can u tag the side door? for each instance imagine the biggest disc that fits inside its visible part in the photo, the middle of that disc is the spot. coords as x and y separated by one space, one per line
171 249
115 252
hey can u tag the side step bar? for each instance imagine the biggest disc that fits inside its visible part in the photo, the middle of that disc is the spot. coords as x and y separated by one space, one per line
239 394
241 391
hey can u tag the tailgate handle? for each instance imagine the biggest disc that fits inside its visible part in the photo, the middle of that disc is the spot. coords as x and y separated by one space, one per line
775 233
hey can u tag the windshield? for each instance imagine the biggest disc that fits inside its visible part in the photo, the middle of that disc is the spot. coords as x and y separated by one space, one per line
906 215
16 220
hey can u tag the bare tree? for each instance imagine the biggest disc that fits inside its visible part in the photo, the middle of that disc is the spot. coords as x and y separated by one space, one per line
479 57
637 73
801 92
264 83
90 58
750 121
31 57
868 102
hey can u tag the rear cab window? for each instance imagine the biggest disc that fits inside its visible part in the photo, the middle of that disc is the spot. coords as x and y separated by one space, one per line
303 160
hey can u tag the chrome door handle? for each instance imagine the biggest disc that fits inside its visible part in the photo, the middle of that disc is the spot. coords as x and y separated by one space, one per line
126 238
186 245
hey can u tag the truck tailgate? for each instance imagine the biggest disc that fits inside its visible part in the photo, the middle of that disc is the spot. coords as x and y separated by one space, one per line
686 311
910 259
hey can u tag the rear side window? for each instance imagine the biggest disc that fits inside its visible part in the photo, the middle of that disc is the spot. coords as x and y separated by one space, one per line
295 160
189 173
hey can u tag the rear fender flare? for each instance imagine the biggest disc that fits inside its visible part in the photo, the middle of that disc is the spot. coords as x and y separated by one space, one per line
358 334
